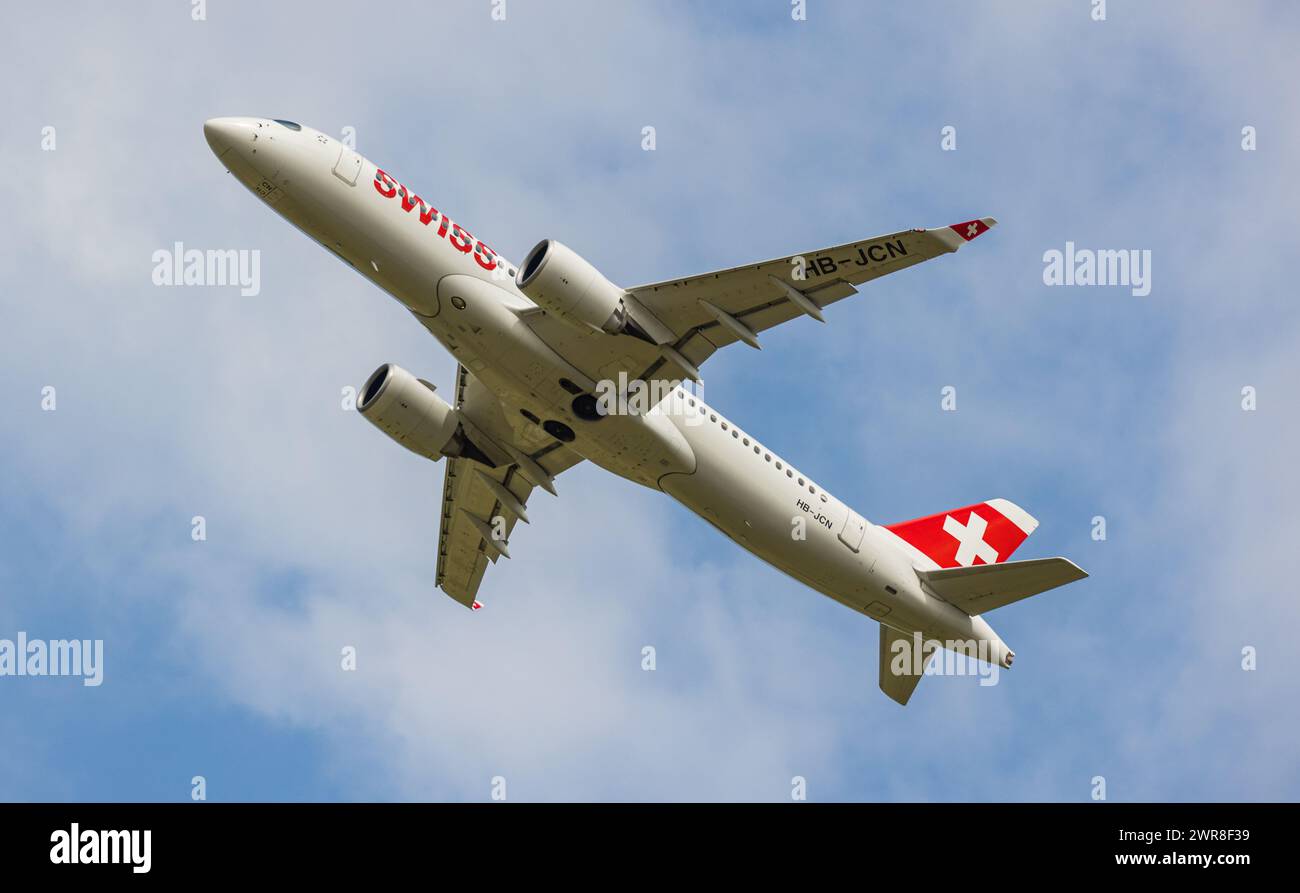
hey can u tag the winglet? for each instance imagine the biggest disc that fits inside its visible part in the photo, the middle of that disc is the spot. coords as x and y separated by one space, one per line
972 229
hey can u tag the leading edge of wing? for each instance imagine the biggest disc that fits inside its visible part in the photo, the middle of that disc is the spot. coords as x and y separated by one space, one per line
952 237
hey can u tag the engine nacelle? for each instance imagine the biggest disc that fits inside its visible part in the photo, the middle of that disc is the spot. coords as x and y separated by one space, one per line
559 281
409 411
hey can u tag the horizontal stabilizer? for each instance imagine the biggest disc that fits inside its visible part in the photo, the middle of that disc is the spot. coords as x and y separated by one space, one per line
984 587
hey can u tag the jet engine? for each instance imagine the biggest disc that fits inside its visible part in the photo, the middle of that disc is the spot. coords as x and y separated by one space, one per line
409 411
555 278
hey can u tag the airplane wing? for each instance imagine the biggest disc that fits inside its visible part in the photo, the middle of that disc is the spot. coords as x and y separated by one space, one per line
706 312
481 505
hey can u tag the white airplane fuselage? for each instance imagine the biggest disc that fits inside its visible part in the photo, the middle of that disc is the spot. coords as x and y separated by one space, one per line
454 285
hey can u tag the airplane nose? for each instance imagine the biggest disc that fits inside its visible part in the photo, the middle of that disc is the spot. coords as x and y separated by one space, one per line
223 134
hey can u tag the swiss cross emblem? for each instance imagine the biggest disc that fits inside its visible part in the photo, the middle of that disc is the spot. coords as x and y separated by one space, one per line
970 229
970 540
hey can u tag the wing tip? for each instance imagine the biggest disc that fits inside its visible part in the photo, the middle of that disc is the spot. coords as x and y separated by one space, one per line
973 229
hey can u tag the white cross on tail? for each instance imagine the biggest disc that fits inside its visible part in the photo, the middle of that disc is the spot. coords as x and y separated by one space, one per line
970 539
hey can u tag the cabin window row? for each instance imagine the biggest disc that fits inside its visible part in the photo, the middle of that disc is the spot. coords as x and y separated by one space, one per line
767 457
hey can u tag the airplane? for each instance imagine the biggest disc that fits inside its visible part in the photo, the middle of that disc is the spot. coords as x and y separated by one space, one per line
552 358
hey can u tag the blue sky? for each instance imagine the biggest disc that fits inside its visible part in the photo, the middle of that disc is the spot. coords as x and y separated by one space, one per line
222 657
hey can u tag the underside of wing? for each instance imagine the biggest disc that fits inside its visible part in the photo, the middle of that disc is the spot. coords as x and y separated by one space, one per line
475 529
481 505
712 310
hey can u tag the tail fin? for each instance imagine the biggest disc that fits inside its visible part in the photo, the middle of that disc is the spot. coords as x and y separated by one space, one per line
984 533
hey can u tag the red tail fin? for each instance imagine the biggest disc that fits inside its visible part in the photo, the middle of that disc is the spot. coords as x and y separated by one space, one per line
984 533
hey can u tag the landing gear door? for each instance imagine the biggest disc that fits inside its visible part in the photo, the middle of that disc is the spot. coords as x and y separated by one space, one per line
348 166
852 531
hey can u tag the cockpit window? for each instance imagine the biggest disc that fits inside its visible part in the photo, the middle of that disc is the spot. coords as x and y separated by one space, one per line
289 124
